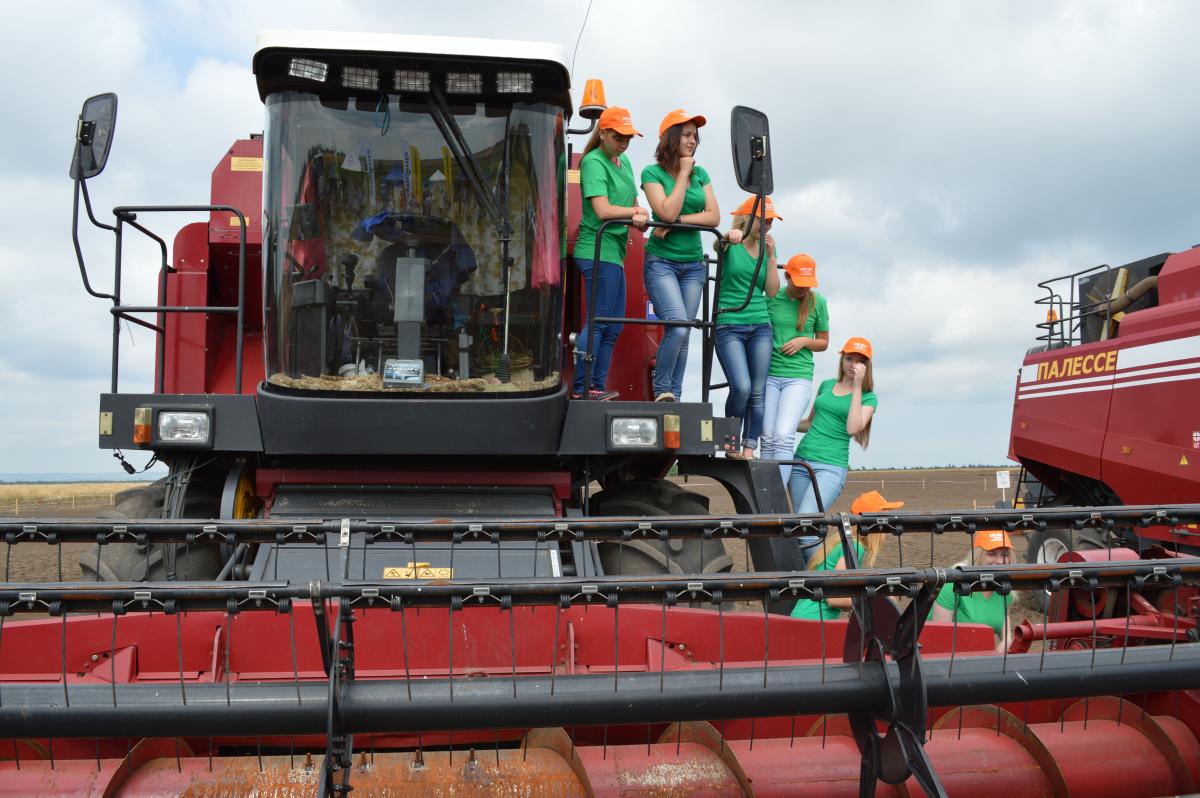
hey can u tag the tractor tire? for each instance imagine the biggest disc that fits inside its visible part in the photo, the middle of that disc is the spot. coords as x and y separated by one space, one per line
646 557
1047 546
131 562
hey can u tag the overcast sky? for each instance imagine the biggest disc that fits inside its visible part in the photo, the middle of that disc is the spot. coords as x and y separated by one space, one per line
936 159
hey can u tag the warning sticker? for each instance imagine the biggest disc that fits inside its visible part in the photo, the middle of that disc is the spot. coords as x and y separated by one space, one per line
242 163
572 175
419 570
1183 460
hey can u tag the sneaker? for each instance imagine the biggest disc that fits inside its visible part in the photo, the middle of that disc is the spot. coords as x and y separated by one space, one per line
597 395
665 396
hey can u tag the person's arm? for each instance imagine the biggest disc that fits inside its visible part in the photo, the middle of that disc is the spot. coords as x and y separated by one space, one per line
711 215
943 614
819 343
667 207
772 282
606 210
595 187
859 415
804 424
1005 639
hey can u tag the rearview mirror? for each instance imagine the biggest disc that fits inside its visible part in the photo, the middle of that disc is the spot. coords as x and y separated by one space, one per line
93 135
751 150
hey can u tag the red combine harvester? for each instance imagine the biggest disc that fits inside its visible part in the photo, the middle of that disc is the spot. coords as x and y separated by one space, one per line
377 565
1107 407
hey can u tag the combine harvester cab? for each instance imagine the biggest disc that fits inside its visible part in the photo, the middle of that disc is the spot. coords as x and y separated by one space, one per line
1107 406
330 593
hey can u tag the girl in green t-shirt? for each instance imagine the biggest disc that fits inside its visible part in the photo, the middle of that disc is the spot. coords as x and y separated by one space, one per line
678 190
800 327
743 326
843 410
827 556
991 547
606 181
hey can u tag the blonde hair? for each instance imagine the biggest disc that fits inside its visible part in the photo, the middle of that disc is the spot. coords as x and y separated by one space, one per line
806 303
864 435
872 545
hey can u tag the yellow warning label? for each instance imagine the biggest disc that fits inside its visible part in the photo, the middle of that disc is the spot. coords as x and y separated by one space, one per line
245 164
572 175
1183 460
420 570
235 221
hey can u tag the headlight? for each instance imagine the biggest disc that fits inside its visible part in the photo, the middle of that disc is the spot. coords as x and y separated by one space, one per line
636 433
183 427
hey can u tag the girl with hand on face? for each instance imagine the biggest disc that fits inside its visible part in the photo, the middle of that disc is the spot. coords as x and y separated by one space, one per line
744 336
992 547
678 190
843 410
606 179
800 325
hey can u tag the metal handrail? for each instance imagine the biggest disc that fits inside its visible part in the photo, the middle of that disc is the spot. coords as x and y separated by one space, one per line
1070 311
703 325
127 214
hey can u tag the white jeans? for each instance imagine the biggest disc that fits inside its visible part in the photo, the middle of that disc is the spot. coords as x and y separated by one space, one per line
786 402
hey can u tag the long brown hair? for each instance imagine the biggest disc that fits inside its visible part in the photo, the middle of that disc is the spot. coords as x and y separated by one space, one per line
872 545
593 142
864 435
667 152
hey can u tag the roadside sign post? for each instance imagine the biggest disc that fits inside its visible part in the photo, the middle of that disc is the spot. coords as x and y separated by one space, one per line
1003 482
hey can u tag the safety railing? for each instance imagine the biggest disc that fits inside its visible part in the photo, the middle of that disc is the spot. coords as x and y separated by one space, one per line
127 215
1066 310
706 324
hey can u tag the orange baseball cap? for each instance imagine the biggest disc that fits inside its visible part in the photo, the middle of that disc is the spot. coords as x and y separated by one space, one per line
991 539
618 119
802 270
679 117
745 208
872 502
860 345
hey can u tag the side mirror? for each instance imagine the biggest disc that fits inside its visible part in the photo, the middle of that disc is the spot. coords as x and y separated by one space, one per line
93 136
751 150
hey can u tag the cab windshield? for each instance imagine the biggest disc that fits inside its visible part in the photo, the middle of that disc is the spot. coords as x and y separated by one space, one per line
385 234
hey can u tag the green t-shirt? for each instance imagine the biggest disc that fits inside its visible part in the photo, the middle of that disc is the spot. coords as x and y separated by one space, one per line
976 608
815 610
600 177
681 246
784 311
826 440
736 273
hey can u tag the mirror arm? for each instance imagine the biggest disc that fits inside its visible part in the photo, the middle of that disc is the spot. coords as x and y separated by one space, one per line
81 186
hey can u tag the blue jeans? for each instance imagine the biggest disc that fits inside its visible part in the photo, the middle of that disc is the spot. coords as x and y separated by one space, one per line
830 479
609 283
745 354
786 402
675 289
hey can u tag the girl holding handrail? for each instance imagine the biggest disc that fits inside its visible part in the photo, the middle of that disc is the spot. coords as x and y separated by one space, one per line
743 336
606 180
678 190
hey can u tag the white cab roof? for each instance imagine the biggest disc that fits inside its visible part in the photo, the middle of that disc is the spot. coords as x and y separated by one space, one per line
312 41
